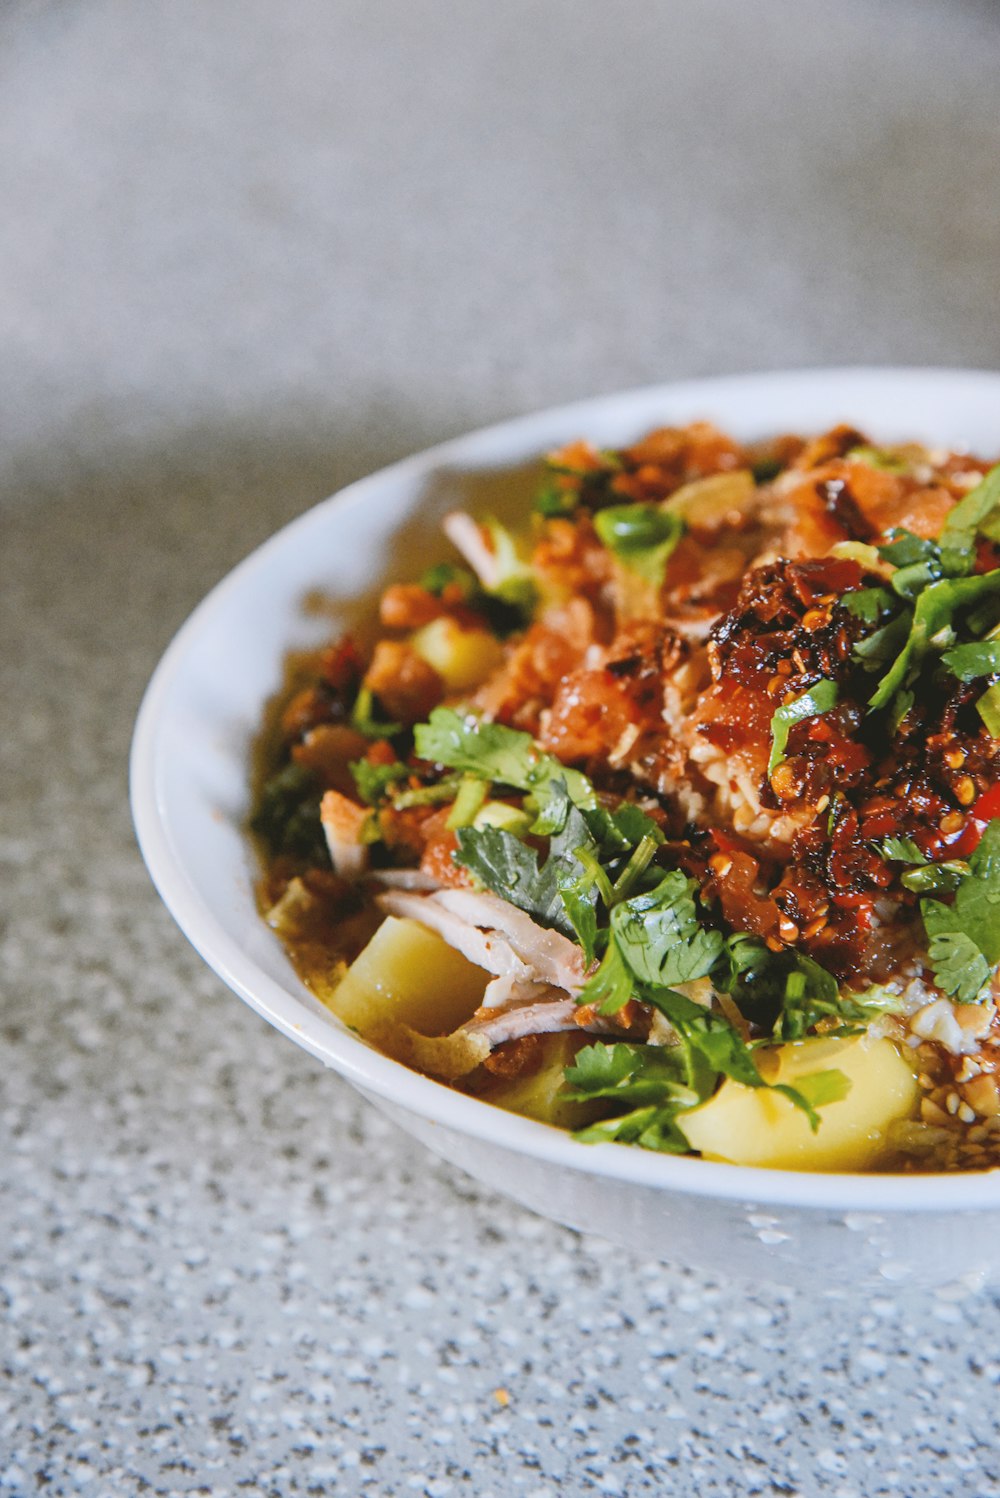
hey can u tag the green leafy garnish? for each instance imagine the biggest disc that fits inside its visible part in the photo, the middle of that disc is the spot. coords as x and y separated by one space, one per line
287 815
642 536
901 850
973 515
646 1081
965 935
879 457
934 878
869 604
967 662
374 781
468 800
495 753
787 994
933 616
511 869
988 708
506 608
765 470
364 717
660 937
818 699
449 574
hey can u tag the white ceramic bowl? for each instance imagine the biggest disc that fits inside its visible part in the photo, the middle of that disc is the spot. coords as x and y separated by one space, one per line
189 774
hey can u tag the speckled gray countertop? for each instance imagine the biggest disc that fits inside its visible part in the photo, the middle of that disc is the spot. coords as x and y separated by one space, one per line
248 252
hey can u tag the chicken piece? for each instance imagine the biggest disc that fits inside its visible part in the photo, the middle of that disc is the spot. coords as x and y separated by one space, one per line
344 825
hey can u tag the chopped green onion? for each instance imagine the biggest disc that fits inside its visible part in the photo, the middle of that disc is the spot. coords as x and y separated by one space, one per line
643 536
988 708
471 795
819 699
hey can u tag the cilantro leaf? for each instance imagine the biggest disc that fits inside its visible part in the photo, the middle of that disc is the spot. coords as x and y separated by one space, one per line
818 699
364 717
510 869
640 1073
788 993
960 968
494 752
287 815
822 1087
901 850
965 935
559 894
611 987
643 536
878 649
971 514
868 604
935 878
449 575
967 662
713 1048
933 612
372 781
660 936
988 708
647 1081
650 1128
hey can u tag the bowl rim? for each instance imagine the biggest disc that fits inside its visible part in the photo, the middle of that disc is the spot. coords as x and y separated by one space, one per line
332 1043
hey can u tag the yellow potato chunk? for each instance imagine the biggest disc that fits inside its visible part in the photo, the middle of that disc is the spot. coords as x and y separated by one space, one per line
462 657
407 975
541 1094
754 1126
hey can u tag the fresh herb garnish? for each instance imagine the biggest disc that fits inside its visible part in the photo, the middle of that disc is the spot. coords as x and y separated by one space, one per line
495 753
901 850
659 934
374 781
508 867
646 1082
818 699
787 994
965 935
967 662
642 536
933 619
973 515
287 815
364 717
988 708
870 605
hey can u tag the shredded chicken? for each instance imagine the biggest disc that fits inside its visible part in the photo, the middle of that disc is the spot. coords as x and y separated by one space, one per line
552 956
487 949
505 993
467 537
343 825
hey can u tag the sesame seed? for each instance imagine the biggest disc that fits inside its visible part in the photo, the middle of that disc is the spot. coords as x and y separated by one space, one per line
965 790
952 1102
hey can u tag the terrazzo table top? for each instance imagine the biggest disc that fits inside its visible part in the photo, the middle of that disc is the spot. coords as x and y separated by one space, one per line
249 253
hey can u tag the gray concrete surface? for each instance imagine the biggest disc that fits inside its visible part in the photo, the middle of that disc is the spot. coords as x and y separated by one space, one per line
249 251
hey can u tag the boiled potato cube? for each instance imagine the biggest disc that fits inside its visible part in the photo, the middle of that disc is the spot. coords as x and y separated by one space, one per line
754 1126
541 1093
461 657
407 975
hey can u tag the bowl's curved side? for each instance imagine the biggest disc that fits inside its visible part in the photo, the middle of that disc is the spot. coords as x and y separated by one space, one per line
747 1237
202 707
